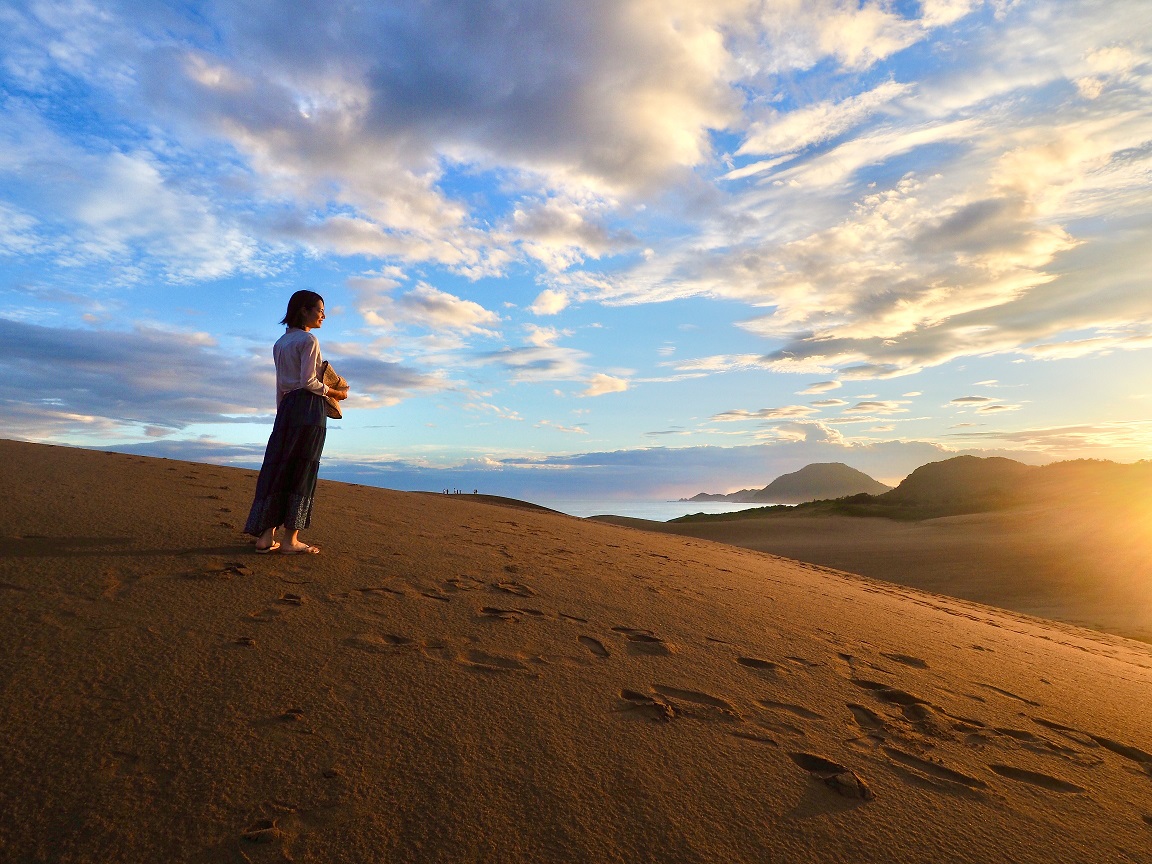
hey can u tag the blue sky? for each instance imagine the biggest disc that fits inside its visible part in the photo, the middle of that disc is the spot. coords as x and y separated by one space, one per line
605 249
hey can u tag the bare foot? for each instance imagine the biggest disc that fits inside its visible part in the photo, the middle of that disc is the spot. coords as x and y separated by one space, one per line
299 549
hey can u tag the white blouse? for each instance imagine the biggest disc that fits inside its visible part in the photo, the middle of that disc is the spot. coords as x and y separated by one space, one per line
297 356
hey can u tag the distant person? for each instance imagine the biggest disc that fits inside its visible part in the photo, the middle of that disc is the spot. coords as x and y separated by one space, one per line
287 482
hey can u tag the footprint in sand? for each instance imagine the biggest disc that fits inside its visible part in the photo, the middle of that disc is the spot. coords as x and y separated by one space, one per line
649 707
866 718
500 614
262 831
841 780
760 665
516 588
1045 781
804 662
889 694
1128 752
382 643
484 662
914 662
644 642
1031 741
594 645
696 698
1009 694
932 772
797 710
463 583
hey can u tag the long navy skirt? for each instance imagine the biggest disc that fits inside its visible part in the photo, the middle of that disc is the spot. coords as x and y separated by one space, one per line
287 482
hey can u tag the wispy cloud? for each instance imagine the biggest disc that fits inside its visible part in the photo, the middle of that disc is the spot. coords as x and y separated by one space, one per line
765 413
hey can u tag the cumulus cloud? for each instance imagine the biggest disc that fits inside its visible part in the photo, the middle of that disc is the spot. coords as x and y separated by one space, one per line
424 307
549 302
560 232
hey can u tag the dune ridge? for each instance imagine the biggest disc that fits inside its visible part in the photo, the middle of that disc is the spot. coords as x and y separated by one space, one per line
456 679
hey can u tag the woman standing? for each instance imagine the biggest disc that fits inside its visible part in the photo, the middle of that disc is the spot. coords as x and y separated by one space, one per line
287 482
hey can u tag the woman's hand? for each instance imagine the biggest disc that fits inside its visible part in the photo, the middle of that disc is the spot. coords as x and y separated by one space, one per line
338 395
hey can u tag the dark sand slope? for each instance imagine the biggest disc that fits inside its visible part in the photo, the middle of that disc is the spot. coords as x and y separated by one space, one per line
1089 565
458 681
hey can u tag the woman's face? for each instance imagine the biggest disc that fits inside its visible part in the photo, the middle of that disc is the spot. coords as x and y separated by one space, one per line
314 316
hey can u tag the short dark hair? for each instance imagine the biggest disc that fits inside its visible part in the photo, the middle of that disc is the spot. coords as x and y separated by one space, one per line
297 303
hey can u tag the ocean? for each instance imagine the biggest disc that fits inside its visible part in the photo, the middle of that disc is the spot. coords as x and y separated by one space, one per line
657 511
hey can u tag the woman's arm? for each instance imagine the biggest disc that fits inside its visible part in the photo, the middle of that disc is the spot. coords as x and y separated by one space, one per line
310 365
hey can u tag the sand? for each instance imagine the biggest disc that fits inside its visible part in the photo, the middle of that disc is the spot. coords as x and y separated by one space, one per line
458 680
1088 564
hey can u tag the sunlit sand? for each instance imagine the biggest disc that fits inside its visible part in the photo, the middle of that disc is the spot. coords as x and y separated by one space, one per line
459 680
1082 563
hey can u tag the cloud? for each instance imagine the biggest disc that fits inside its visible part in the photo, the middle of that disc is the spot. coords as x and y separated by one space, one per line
560 232
654 472
549 302
878 407
549 363
502 413
765 413
855 35
1123 439
92 383
424 306
966 223
795 130
600 384
377 382
573 430
828 403
126 209
971 400
820 387
544 337
719 363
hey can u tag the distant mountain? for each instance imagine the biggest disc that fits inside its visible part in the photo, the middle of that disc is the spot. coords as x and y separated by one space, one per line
963 483
813 482
971 484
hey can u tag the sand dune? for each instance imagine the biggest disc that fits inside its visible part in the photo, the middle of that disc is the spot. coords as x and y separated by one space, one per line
1084 564
457 680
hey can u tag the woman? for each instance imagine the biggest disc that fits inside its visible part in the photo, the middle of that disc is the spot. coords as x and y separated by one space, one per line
287 482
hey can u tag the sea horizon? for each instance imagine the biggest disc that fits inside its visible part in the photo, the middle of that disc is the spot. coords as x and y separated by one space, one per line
653 510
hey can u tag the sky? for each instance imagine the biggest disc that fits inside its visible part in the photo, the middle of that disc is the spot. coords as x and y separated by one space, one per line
606 249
